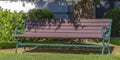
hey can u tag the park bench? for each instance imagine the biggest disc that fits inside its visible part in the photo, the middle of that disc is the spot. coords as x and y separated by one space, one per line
63 28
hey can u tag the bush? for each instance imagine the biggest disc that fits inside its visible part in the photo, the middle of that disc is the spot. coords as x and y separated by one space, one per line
7 45
114 14
8 22
39 13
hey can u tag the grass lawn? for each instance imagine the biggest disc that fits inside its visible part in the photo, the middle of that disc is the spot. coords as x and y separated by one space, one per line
4 56
115 40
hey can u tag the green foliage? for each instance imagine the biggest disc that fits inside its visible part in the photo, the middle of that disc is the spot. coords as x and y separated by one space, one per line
115 41
7 45
8 22
114 14
39 13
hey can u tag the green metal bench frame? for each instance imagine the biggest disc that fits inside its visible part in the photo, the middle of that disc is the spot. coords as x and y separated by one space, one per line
103 46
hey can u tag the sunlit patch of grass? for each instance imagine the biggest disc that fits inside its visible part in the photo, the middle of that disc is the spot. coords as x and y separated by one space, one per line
6 56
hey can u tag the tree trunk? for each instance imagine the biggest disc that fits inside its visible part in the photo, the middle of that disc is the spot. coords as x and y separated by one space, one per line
84 9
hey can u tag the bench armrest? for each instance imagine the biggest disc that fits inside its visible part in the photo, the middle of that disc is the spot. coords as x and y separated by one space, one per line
105 31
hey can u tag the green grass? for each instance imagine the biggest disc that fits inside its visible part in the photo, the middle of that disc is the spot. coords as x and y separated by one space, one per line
4 56
115 40
7 45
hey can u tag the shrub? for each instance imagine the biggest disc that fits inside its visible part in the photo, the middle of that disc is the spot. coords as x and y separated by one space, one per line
7 45
39 13
8 22
114 14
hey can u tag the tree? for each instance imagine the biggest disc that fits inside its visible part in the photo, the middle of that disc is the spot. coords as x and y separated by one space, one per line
84 9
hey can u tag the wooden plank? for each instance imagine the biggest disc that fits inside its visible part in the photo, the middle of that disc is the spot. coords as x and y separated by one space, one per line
59 35
95 20
65 28
73 25
66 21
64 31
38 22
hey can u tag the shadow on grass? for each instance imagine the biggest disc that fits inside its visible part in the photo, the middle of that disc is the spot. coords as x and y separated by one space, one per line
68 50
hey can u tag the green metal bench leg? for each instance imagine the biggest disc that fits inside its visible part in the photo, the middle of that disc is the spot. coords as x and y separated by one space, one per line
103 47
108 50
108 46
17 45
24 51
16 50
24 47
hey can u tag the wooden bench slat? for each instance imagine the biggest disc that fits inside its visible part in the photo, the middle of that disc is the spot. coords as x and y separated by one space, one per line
94 24
59 35
81 21
94 20
65 31
66 21
64 28
76 25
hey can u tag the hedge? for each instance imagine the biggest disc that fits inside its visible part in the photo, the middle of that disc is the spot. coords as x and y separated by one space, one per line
8 22
114 14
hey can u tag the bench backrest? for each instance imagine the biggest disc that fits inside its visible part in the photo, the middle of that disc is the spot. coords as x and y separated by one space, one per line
82 26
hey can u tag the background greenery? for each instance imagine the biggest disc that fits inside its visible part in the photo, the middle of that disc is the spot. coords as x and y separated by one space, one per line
114 14
39 13
9 20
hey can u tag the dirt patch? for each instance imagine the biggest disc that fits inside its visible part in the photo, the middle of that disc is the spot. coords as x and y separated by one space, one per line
12 50
116 50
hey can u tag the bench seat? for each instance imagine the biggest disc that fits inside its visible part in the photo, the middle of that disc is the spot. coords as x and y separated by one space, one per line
59 35
51 28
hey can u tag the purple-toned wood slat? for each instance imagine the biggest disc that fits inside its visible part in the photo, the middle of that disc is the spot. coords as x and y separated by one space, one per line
66 20
57 35
94 24
38 22
94 20
71 25
65 31
64 28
